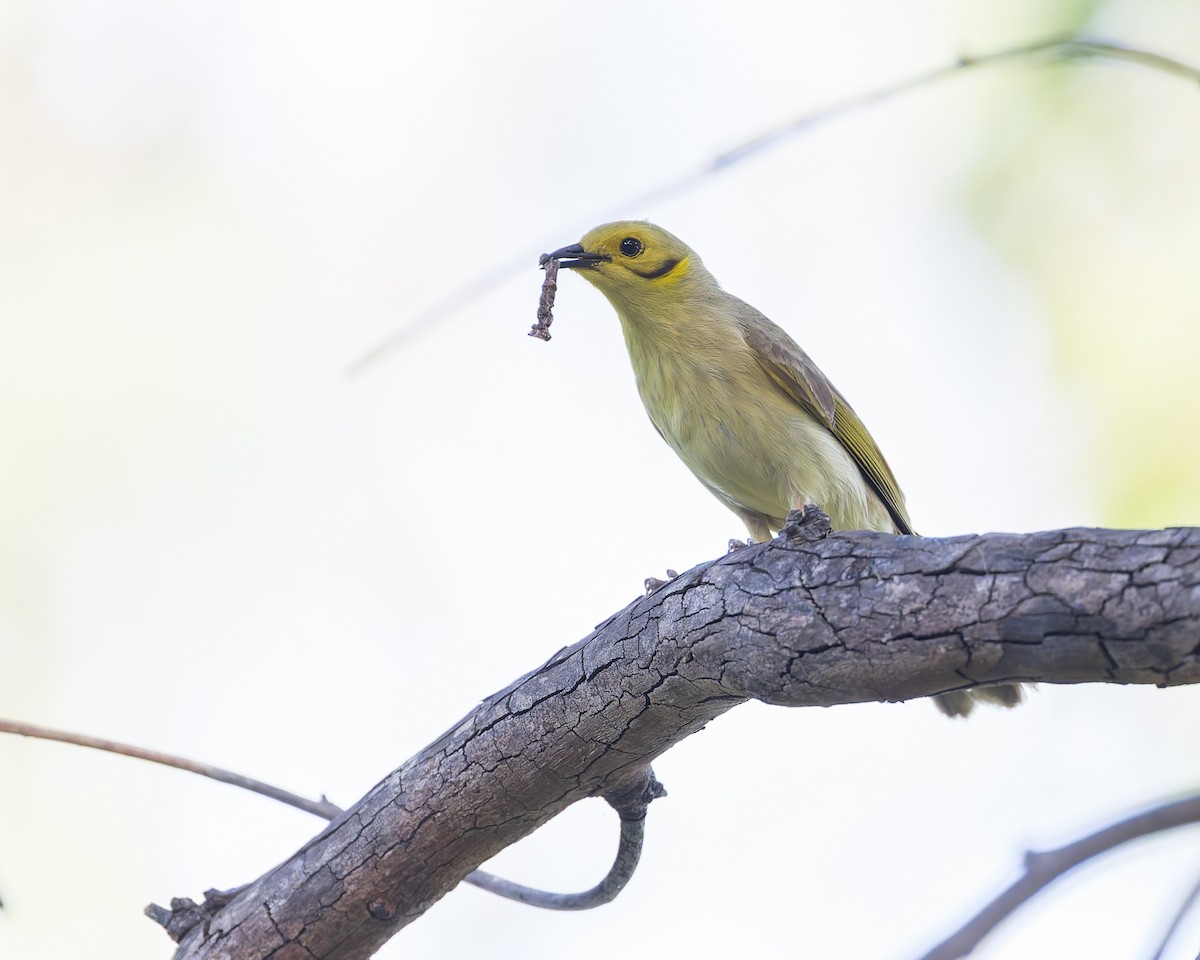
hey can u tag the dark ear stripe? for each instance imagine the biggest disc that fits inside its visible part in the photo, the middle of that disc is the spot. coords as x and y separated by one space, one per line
661 272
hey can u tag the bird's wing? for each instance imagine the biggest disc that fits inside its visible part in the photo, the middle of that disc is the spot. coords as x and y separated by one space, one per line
801 379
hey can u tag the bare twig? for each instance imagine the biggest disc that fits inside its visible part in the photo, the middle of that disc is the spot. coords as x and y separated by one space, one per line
321 808
439 310
1055 50
1044 867
630 802
1184 909
629 850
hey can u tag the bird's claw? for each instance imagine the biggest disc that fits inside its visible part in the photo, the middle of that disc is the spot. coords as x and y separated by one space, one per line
653 583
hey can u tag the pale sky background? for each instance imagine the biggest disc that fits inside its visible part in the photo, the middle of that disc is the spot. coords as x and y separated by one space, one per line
214 543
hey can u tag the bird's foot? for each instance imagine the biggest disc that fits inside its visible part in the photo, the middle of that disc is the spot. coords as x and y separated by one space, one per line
738 544
653 583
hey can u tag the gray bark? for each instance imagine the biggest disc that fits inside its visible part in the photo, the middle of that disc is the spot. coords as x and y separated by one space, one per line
804 620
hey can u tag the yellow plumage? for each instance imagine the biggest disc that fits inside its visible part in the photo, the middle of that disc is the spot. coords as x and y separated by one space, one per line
744 407
738 400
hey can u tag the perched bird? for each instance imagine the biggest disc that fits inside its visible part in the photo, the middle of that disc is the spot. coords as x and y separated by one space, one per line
740 403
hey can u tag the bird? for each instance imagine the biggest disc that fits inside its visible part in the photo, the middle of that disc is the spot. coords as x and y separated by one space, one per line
744 407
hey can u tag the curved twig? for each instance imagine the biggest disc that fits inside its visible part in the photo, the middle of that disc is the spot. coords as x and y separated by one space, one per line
1044 867
631 803
1057 49
629 850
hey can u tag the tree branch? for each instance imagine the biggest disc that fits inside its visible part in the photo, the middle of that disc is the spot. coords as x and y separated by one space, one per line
804 620
1043 867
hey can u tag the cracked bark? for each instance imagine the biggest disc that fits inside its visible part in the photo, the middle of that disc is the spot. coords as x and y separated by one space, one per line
804 620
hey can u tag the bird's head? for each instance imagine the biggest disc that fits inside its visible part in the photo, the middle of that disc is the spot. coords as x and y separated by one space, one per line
632 260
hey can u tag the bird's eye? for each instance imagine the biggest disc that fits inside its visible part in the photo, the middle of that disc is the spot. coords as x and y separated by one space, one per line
631 246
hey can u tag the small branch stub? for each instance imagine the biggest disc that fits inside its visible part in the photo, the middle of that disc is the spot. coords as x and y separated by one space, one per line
185 913
806 526
630 798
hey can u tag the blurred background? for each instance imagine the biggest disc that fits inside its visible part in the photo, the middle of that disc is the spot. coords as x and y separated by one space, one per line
216 543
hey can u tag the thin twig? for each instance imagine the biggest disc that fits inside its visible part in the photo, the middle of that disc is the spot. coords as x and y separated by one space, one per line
438 311
1185 908
1058 49
630 799
1044 867
629 850
321 808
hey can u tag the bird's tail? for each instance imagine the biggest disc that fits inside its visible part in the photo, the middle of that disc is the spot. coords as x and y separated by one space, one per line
960 703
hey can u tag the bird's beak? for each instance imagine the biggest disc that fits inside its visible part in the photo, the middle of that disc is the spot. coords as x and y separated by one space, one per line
574 257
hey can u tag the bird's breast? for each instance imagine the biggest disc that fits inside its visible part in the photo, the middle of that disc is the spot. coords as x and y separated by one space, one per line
704 407
741 435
